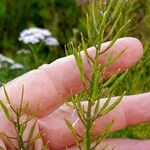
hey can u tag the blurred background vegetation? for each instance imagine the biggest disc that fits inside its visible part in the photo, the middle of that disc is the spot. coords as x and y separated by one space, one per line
63 19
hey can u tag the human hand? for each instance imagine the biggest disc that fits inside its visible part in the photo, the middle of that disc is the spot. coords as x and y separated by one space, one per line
50 85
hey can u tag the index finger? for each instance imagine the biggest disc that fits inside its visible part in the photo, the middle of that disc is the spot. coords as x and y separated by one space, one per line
51 84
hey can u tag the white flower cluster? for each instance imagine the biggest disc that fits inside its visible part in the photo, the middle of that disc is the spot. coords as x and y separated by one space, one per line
5 61
23 52
36 35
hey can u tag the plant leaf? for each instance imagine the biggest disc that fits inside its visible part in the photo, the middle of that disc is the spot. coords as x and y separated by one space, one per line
111 107
73 131
9 117
9 145
31 133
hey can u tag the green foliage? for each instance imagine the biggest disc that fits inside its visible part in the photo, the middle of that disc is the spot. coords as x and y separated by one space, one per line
87 104
55 15
62 18
15 117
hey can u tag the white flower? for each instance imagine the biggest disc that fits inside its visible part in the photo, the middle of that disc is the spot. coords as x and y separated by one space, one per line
45 32
8 62
36 35
39 36
33 31
51 41
30 39
6 59
16 66
23 52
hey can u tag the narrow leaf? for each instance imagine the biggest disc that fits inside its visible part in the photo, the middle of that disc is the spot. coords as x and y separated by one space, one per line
111 107
31 133
9 145
9 117
73 131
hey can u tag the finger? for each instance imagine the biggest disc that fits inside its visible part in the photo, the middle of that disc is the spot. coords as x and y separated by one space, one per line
2 144
132 110
121 144
29 133
50 85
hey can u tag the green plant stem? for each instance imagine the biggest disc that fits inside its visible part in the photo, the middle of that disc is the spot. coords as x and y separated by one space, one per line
35 53
88 128
35 56
19 134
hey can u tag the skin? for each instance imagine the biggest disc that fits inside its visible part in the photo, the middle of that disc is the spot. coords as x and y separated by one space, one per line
50 85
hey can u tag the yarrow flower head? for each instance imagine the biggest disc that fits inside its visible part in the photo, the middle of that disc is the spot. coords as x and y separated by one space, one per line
5 59
51 41
6 62
37 35
23 52
16 66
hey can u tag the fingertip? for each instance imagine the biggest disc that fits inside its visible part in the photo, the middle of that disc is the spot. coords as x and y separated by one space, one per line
135 48
127 50
132 54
